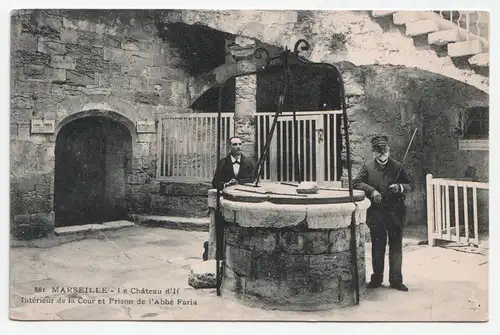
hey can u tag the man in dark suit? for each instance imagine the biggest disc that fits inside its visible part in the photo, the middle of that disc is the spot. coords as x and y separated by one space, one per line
234 168
386 183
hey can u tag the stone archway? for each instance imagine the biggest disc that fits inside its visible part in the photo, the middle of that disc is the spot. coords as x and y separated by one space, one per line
93 157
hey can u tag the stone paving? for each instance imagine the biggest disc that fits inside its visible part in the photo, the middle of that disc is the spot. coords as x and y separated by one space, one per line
445 285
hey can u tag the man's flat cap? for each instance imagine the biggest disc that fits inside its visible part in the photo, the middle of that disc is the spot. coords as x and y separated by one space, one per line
379 141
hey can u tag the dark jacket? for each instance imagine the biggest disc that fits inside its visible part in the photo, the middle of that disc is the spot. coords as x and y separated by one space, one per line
225 173
373 176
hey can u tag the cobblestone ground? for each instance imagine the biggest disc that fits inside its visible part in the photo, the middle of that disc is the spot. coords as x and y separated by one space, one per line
445 285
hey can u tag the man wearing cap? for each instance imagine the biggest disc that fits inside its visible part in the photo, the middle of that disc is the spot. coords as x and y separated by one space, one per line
234 168
385 183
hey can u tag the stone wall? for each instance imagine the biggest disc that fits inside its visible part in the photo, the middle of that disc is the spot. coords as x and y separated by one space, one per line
335 36
396 100
292 268
66 64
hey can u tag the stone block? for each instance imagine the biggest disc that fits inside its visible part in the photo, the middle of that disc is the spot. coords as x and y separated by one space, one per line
51 47
31 57
139 83
21 115
239 260
80 50
77 78
68 90
212 198
263 289
421 27
32 70
101 79
253 238
92 64
146 138
202 274
173 188
267 266
142 149
69 36
189 206
465 48
97 90
43 220
118 82
53 22
13 130
263 215
296 267
444 37
299 242
21 219
114 54
22 231
340 240
24 42
482 59
331 266
56 76
233 282
62 62
19 101
138 178
151 98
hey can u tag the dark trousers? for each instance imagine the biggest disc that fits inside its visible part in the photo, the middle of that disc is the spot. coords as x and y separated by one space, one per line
380 233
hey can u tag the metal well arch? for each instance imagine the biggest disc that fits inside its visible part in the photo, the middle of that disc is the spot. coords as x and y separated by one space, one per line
284 65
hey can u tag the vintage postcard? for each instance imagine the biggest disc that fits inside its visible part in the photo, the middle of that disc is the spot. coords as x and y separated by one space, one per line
249 165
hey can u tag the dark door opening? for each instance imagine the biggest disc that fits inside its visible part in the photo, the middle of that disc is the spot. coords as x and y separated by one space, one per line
91 169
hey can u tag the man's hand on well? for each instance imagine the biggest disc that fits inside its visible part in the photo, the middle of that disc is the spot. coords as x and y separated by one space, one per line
231 183
377 197
394 188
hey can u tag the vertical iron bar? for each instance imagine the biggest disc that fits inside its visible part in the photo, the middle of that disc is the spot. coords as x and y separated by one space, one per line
218 223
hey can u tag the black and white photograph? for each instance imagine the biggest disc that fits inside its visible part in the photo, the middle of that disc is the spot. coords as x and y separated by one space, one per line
249 165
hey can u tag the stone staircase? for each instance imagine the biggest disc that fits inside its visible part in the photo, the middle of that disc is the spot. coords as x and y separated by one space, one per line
465 34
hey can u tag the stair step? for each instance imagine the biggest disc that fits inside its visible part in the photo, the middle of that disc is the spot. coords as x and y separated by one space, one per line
443 37
421 27
173 222
465 48
380 13
482 59
404 17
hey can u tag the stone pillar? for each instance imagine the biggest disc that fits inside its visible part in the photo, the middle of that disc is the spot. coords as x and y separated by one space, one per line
245 105
212 203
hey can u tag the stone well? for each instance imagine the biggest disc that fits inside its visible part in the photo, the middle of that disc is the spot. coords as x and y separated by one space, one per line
291 252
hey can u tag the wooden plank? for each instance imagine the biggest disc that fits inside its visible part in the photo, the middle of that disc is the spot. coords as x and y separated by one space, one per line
447 203
163 151
466 214
273 153
158 149
461 183
320 150
439 227
335 144
476 223
292 149
327 136
430 210
204 125
457 219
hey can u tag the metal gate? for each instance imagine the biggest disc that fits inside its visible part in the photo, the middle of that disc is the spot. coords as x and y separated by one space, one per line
318 144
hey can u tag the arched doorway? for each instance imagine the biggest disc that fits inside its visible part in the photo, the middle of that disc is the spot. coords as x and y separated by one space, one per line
92 162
